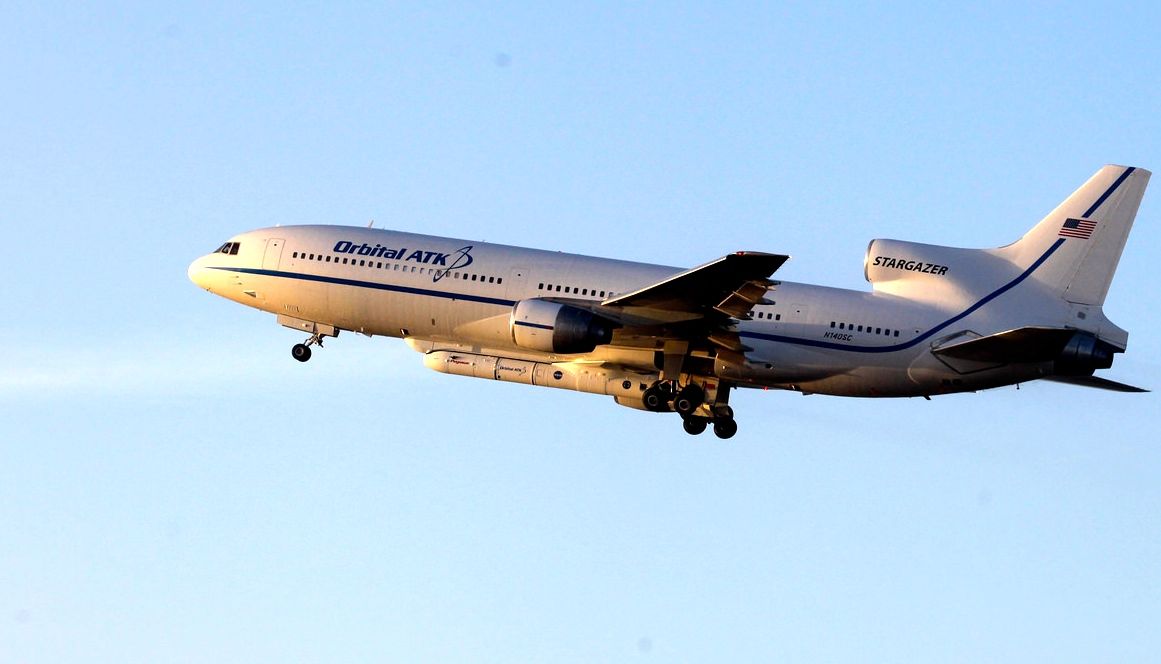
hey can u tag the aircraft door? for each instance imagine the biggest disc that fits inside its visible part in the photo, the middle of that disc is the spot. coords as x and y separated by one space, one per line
273 254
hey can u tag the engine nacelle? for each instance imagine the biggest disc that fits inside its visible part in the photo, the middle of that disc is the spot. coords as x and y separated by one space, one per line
1084 354
558 328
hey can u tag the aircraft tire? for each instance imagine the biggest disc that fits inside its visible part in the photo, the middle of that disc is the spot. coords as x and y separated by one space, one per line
694 425
655 400
300 352
725 427
688 399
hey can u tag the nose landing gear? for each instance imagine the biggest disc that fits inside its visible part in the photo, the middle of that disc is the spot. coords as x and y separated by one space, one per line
301 352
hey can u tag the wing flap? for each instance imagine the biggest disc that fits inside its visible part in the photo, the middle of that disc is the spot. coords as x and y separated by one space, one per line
728 340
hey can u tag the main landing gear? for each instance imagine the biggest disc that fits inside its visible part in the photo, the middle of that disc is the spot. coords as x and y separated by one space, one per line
723 423
301 352
690 402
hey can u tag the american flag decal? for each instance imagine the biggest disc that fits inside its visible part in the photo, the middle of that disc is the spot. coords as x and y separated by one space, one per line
1079 228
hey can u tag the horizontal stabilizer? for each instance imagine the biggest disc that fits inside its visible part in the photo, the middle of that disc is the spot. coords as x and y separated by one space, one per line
1022 345
1098 383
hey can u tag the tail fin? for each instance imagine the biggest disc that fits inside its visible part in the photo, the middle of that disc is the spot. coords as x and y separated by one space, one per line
1076 248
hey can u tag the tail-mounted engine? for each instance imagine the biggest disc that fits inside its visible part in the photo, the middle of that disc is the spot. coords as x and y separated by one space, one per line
558 328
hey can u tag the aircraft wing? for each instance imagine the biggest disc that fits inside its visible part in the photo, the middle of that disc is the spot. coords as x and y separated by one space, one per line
730 286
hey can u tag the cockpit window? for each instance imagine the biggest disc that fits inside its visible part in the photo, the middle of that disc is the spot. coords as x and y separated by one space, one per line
230 248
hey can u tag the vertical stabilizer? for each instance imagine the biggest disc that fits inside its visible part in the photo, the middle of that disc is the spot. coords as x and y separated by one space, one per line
1076 248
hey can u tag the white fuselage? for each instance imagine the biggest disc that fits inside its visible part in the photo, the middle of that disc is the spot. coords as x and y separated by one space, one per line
442 293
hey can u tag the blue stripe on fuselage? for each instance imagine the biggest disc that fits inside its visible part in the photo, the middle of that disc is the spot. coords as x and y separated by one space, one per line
919 339
371 284
749 335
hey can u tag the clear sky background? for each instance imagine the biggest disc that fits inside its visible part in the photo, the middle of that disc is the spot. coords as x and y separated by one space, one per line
175 488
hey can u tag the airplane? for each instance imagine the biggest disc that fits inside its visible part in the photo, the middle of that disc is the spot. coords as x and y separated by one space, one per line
937 320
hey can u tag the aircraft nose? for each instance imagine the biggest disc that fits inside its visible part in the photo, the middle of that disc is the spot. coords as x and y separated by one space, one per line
197 273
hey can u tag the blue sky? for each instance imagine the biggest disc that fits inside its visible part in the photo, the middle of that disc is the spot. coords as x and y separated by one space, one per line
174 488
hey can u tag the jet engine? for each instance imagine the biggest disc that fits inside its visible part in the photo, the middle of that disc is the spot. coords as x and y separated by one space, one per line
558 328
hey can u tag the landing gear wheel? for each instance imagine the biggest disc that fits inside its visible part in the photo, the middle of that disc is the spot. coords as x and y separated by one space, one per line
655 400
688 400
300 352
725 427
695 425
